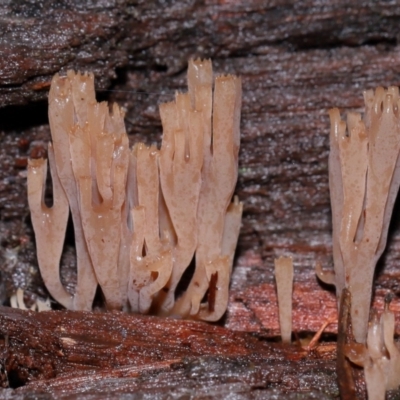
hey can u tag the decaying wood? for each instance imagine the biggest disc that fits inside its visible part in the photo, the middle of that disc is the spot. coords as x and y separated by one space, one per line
49 350
296 62
39 39
343 367
60 351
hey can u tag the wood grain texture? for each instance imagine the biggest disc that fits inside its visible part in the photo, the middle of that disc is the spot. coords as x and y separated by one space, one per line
60 352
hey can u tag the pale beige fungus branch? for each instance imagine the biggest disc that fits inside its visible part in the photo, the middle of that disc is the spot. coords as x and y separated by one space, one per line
219 174
49 224
150 272
380 358
180 174
101 199
284 286
151 257
62 119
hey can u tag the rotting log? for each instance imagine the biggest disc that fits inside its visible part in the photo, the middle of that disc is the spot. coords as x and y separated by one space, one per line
60 352
296 62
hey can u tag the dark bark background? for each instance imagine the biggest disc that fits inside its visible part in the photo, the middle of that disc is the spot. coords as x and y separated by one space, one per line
296 59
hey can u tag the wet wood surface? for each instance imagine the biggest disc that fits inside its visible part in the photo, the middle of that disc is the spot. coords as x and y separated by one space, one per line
60 352
296 60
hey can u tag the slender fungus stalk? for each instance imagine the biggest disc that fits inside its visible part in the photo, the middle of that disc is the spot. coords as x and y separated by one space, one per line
181 160
151 257
219 175
284 284
62 121
49 224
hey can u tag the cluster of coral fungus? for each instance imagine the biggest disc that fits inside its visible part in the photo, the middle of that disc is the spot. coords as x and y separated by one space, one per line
141 216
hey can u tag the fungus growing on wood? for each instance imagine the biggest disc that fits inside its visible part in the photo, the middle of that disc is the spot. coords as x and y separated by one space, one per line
151 259
65 107
50 225
17 301
219 117
142 215
364 178
380 358
284 286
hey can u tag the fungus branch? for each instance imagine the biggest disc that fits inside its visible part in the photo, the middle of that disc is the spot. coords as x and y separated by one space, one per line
284 285
50 225
151 257
380 358
62 119
219 175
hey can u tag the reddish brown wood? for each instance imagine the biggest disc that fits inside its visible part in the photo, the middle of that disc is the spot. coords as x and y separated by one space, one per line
74 351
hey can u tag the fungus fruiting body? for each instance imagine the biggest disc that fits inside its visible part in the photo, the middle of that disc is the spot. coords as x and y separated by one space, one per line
380 358
142 215
284 286
364 178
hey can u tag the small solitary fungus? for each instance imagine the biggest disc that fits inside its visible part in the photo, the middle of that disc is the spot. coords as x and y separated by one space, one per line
284 286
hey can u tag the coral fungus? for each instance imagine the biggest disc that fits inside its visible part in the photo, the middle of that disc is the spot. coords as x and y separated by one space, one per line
141 216
364 178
